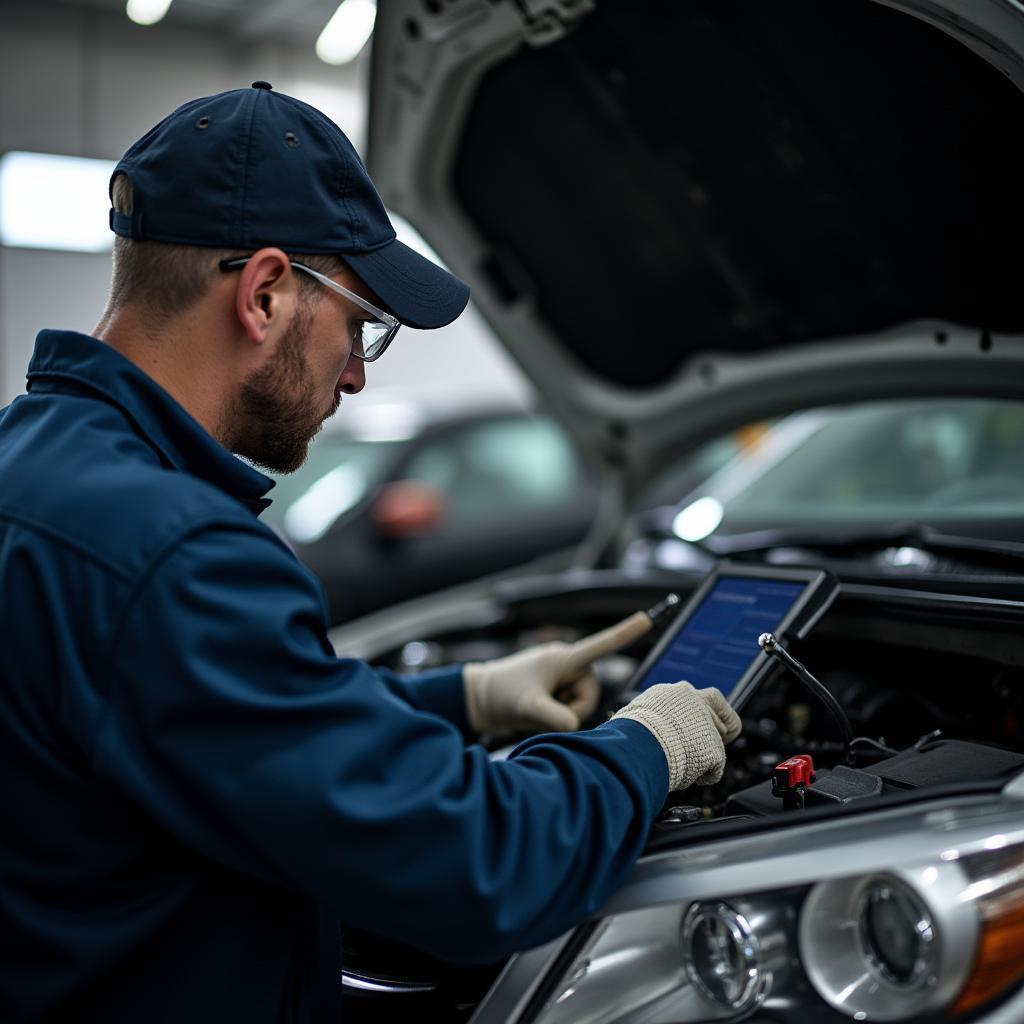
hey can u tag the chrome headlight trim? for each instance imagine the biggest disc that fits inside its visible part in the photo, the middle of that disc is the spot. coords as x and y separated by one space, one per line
844 969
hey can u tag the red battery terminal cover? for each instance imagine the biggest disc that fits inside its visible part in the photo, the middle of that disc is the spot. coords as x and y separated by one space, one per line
793 773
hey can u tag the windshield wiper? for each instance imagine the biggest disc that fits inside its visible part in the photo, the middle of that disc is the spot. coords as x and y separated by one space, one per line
911 535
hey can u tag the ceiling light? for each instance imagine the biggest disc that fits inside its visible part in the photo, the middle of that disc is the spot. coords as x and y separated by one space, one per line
146 12
54 202
347 31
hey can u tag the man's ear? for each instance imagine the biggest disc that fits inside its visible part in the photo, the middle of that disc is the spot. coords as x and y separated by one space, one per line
266 294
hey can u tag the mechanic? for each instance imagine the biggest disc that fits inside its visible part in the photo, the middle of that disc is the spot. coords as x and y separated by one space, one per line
197 791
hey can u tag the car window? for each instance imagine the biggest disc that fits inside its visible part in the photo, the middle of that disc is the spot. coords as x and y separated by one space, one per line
500 468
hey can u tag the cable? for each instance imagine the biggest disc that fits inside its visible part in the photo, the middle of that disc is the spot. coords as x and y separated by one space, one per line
771 646
875 743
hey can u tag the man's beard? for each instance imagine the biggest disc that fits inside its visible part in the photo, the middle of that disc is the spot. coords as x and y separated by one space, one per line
276 414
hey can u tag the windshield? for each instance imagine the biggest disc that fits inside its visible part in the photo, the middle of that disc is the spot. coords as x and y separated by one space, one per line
956 464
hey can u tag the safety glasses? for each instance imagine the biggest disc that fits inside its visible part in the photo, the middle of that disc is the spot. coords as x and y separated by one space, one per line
369 338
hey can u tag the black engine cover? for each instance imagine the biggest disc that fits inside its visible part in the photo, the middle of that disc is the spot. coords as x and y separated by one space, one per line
935 764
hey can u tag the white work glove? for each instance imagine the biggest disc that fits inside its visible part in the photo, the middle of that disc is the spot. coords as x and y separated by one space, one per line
692 727
519 692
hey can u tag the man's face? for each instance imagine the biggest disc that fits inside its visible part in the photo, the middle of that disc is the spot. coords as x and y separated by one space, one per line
283 404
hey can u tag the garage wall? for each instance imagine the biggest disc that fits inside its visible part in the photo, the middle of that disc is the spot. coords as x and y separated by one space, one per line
88 82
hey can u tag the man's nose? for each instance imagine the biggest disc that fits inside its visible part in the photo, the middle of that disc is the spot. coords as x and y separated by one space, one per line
353 377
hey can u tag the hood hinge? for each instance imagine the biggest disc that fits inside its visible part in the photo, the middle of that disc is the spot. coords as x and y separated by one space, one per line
547 21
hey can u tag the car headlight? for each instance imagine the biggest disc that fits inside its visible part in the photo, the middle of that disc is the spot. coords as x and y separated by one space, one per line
890 946
933 936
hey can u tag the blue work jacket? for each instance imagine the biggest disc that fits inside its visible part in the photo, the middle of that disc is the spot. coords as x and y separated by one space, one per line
194 789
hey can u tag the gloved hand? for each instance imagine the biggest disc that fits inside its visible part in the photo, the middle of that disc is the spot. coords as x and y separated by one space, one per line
518 692
692 727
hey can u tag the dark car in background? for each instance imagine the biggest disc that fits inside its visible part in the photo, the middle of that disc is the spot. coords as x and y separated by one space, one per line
399 498
681 218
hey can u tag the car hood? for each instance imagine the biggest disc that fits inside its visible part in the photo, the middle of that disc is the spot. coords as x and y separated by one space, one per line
682 217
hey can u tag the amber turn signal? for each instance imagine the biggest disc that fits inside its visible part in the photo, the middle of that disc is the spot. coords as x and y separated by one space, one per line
999 962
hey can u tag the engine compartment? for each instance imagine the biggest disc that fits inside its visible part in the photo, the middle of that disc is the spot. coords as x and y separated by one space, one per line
930 705
932 680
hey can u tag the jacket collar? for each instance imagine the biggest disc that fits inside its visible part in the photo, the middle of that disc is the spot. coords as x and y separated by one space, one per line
67 356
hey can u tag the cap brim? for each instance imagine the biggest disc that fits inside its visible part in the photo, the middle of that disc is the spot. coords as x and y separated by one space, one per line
417 291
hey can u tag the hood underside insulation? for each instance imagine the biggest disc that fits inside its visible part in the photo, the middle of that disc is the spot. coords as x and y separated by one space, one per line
733 175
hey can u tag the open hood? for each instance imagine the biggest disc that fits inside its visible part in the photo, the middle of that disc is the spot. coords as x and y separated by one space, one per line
681 216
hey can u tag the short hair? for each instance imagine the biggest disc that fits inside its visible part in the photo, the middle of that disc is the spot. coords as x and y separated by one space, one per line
165 279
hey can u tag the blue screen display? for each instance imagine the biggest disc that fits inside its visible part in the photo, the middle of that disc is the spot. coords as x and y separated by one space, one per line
718 642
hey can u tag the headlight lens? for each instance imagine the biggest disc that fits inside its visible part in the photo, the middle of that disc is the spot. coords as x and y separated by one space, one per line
721 947
939 938
890 946
897 933
722 955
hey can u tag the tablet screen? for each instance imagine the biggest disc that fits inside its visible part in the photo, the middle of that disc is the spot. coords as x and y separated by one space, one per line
717 642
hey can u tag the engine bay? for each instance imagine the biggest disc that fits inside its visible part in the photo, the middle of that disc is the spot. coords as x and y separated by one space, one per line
932 685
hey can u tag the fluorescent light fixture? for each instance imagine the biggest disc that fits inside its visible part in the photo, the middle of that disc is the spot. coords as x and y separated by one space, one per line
347 31
54 202
146 12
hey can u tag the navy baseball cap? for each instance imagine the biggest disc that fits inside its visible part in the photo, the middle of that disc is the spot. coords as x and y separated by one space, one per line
250 168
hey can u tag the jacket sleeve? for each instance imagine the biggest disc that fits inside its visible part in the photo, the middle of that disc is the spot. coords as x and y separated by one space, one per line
439 691
232 722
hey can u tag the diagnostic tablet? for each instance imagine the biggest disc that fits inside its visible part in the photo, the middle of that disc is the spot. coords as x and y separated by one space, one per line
713 640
